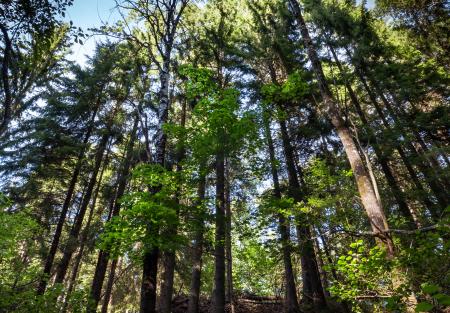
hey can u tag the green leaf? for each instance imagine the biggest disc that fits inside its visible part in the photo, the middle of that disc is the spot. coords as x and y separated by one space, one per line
442 299
424 307
429 288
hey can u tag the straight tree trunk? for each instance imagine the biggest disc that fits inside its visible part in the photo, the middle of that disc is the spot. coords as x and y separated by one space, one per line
7 104
228 254
103 256
321 267
327 253
194 293
169 257
169 262
75 231
109 286
151 256
149 277
369 200
83 239
290 300
62 218
219 251
312 285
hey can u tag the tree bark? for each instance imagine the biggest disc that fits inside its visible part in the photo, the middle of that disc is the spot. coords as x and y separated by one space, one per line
219 251
194 294
312 285
7 104
149 280
290 300
441 197
150 270
169 257
321 267
228 254
109 286
369 200
405 210
433 186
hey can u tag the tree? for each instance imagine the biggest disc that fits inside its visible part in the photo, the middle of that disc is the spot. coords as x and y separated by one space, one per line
31 50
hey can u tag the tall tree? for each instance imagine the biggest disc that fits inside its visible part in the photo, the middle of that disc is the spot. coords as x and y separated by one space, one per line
369 199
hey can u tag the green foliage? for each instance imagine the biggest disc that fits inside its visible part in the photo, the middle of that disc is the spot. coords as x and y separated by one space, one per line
19 266
292 90
145 212
217 126
254 268
438 299
362 270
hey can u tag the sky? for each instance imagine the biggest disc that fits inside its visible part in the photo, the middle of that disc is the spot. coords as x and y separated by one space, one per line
88 14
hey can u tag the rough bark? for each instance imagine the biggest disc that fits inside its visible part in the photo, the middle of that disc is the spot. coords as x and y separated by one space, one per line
369 200
171 12
150 270
290 300
149 280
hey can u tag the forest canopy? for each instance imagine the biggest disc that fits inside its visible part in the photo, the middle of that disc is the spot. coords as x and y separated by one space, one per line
226 156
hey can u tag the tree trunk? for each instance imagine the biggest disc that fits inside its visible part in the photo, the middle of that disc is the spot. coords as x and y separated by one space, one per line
7 104
405 210
194 293
102 260
328 254
151 256
441 197
83 239
228 254
321 267
149 280
169 258
62 218
109 286
312 286
75 231
429 170
290 301
219 252
433 186
369 200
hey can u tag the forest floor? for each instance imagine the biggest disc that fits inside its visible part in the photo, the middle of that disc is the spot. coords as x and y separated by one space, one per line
241 305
